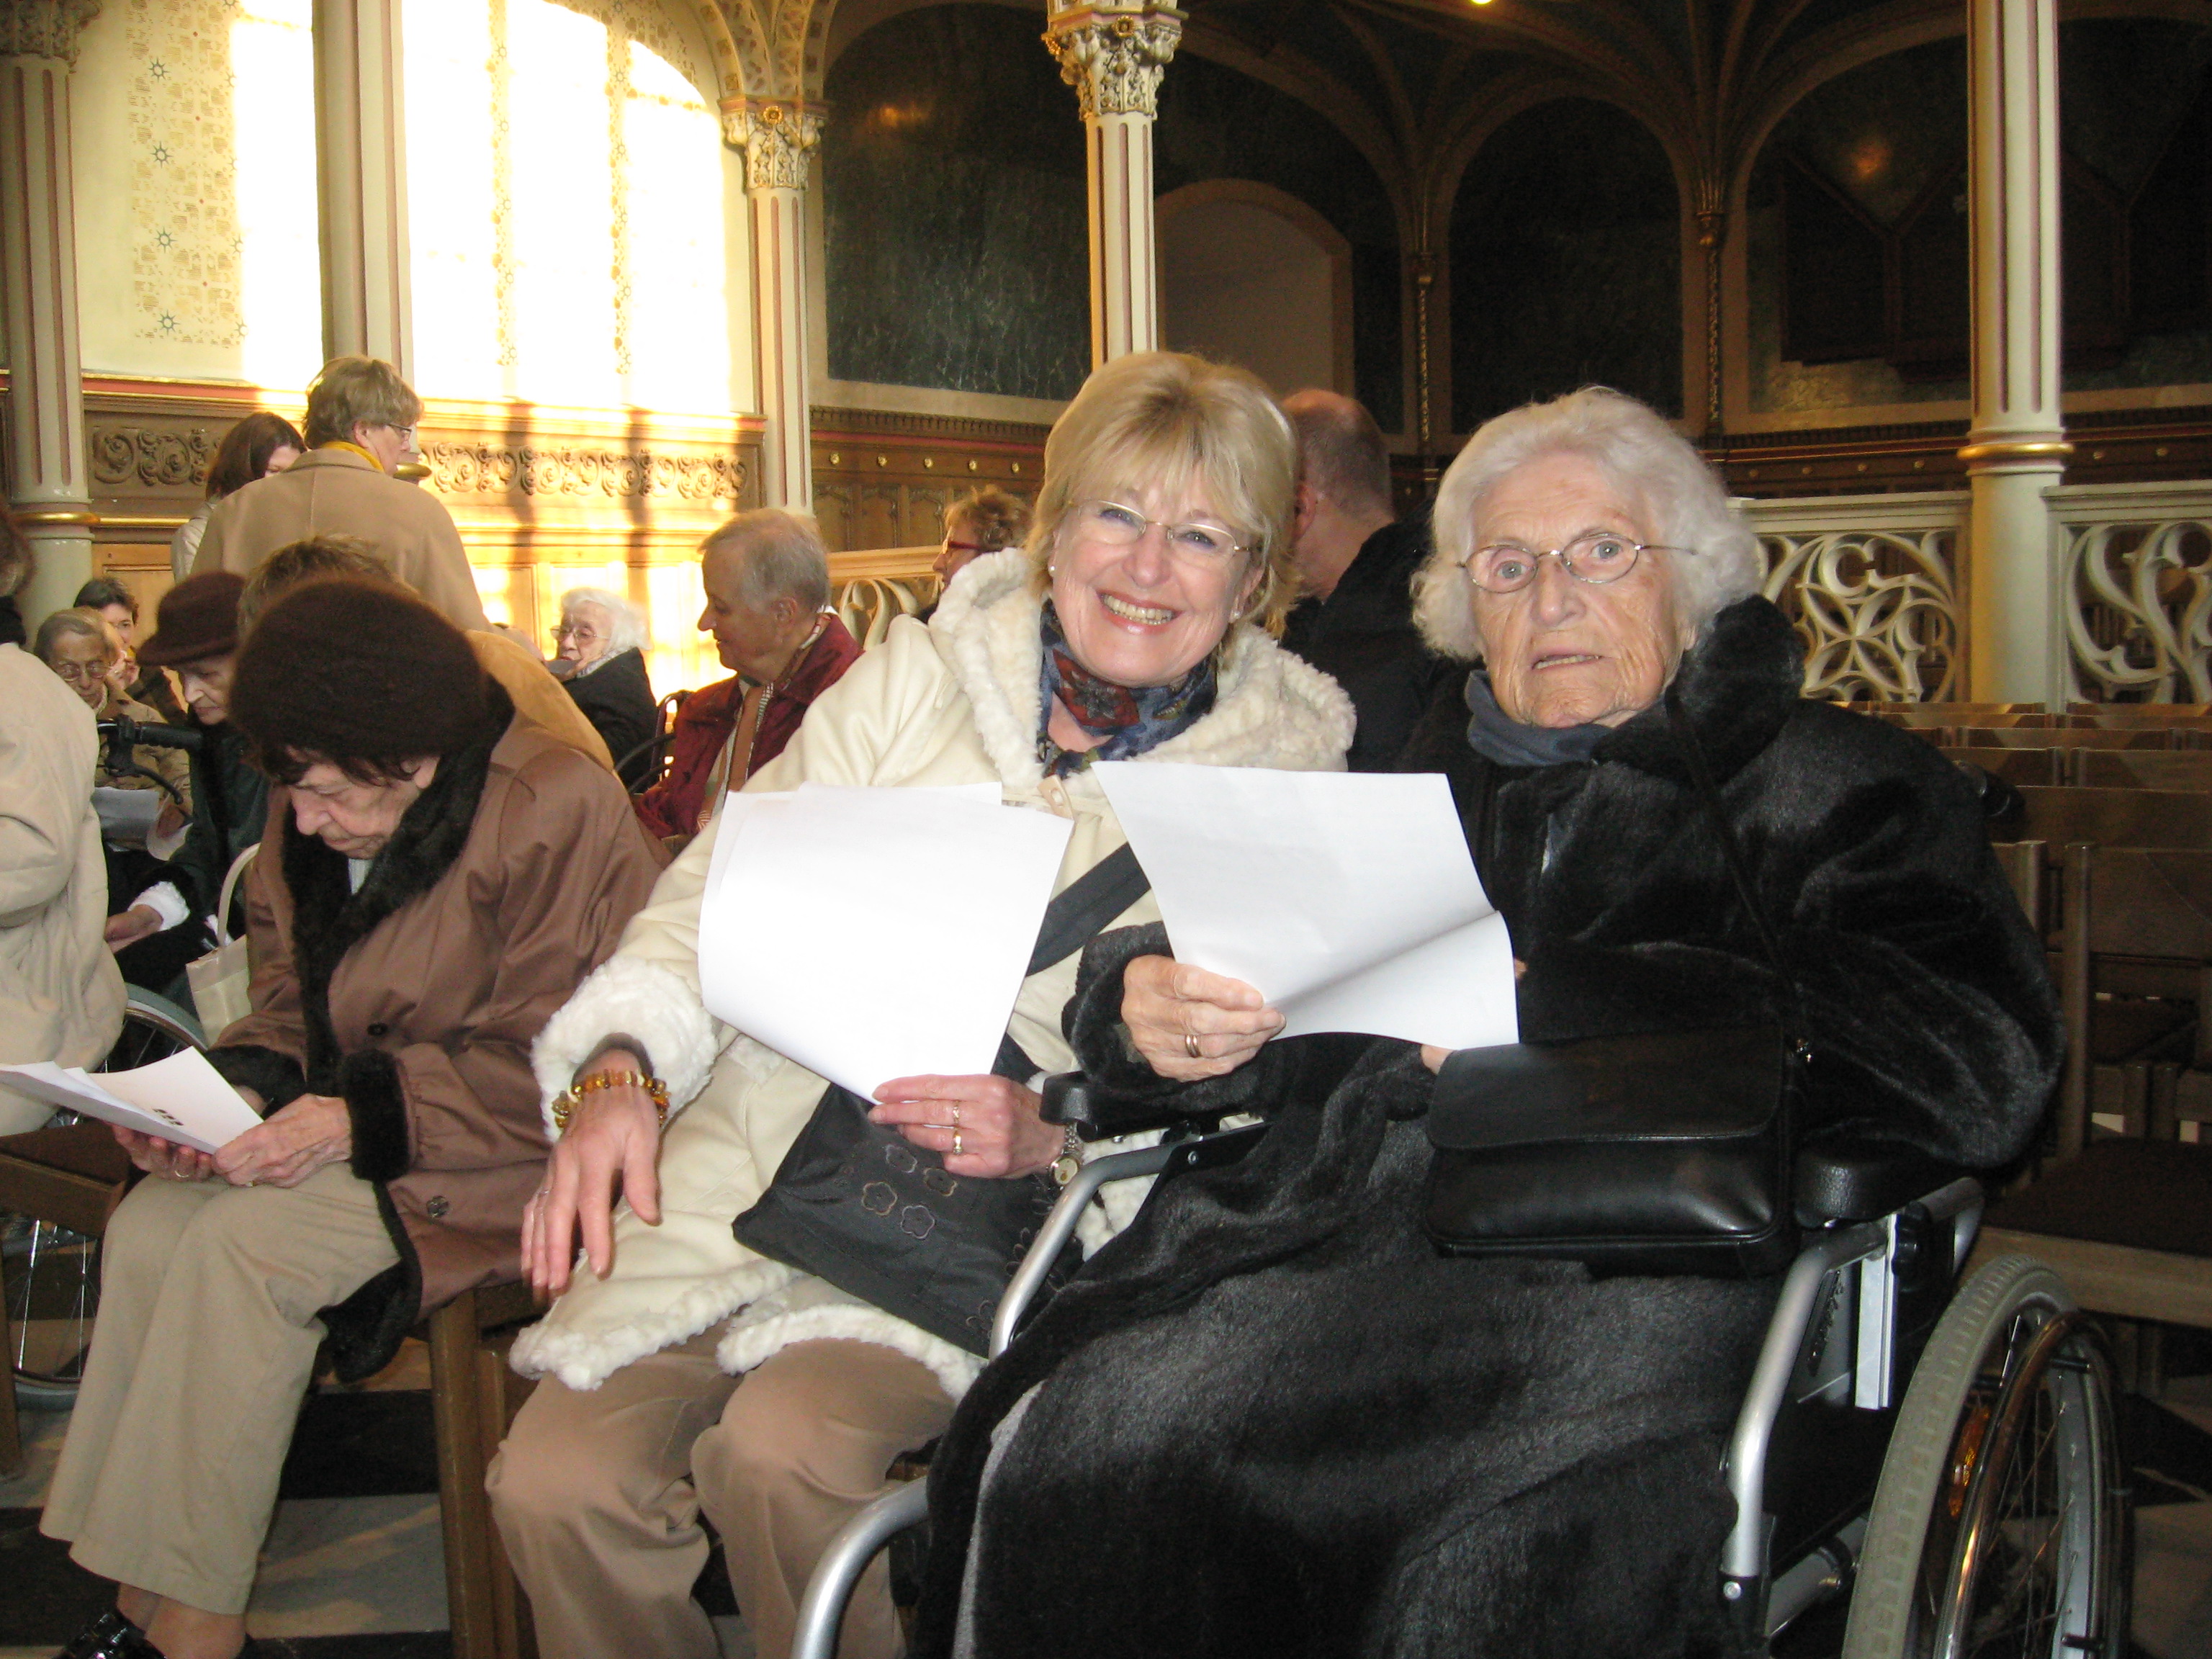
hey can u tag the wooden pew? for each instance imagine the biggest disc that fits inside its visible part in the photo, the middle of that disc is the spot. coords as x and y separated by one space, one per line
2166 818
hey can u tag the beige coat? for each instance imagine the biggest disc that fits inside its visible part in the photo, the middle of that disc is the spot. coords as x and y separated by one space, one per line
335 491
954 703
61 998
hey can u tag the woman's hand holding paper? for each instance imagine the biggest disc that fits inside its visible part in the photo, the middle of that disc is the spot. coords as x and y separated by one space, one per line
294 1141
995 1122
1172 1009
167 1159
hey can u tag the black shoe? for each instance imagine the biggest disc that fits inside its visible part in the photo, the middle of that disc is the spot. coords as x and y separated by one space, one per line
110 1635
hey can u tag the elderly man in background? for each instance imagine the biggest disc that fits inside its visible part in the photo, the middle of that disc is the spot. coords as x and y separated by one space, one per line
360 425
1357 560
767 587
61 996
598 653
537 696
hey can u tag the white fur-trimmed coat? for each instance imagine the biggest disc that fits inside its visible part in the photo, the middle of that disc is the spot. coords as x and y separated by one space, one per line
951 703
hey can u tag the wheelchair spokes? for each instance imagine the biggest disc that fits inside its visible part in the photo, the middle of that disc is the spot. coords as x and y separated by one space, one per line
53 1294
2023 1552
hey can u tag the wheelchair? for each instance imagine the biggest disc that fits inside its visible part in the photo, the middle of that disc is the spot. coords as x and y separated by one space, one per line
1938 1457
50 1276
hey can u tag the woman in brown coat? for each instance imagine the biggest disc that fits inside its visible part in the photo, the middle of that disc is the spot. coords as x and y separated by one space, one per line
435 878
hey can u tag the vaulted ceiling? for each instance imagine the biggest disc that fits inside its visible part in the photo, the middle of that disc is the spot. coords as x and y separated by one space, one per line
1419 84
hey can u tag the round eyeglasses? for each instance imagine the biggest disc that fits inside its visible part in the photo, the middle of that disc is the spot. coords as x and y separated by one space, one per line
1116 525
1597 558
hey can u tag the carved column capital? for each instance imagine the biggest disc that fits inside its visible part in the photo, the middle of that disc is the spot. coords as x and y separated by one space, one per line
1114 55
44 28
776 135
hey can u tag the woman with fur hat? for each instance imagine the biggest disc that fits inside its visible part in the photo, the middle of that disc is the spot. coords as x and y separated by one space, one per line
439 877
685 1372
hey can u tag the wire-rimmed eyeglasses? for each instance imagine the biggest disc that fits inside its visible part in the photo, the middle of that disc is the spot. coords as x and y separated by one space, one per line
1117 525
1597 557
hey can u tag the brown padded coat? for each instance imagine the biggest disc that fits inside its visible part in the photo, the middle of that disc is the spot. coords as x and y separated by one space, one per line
508 881
338 492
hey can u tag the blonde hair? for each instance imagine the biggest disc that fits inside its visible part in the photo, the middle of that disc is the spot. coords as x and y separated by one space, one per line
1715 556
1165 420
353 392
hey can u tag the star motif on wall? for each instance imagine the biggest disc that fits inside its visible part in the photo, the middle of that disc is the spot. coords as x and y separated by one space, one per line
158 69
169 323
165 239
161 153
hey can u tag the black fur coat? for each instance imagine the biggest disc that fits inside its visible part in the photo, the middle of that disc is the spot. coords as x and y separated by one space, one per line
1269 1419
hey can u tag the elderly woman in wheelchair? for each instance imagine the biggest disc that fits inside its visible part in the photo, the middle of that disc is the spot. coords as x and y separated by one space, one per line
1272 1415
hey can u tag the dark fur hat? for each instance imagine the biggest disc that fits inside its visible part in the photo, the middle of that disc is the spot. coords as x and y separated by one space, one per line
360 674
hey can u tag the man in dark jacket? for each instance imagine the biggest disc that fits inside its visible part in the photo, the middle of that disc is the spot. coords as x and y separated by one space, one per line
195 634
1357 560
767 588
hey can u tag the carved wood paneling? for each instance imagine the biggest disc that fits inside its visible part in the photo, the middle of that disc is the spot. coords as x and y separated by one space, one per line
884 480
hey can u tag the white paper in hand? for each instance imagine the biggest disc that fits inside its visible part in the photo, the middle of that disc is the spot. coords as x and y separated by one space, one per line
182 1099
875 934
1348 899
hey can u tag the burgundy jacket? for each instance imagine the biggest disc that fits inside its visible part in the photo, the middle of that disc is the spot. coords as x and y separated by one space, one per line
672 806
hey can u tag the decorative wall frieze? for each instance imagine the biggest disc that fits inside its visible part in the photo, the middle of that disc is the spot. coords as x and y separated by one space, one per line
777 135
44 28
1114 56
467 468
152 458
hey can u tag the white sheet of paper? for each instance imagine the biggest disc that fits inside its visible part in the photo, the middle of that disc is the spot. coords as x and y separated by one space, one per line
875 934
182 1099
1348 899
127 815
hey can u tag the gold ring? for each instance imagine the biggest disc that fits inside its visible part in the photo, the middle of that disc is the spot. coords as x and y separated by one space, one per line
956 1113
1190 1045
955 1143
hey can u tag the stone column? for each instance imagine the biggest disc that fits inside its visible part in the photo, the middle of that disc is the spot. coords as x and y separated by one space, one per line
2015 447
777 135
1114 56
48 485
361 161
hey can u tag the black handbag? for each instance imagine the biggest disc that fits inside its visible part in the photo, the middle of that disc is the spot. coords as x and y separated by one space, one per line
859 1205
1660 1153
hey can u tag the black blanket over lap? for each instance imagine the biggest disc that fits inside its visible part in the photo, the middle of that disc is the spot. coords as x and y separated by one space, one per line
1269 1418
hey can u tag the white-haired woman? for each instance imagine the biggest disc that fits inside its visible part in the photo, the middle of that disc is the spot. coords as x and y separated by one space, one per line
684 1372
1347 1443
599 652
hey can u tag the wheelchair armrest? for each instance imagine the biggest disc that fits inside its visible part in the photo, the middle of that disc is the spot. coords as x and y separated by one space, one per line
1846 1179
1099 1114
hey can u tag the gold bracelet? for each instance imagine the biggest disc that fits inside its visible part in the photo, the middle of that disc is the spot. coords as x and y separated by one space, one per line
566 1102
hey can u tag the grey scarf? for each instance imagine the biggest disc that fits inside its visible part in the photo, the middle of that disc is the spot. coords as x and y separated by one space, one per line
1496 736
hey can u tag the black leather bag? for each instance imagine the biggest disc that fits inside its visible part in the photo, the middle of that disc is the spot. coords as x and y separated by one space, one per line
1662 1153
859 1205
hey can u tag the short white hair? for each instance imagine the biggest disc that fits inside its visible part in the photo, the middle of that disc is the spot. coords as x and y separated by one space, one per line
1717 559
626 629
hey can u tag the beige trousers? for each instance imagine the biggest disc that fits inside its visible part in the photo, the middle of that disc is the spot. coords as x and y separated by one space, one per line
201 1353
598 1495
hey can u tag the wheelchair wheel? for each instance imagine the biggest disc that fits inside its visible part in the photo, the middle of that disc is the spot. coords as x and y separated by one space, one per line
2000 1528
53 1274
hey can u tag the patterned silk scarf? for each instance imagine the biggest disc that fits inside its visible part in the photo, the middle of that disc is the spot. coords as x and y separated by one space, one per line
1130 719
